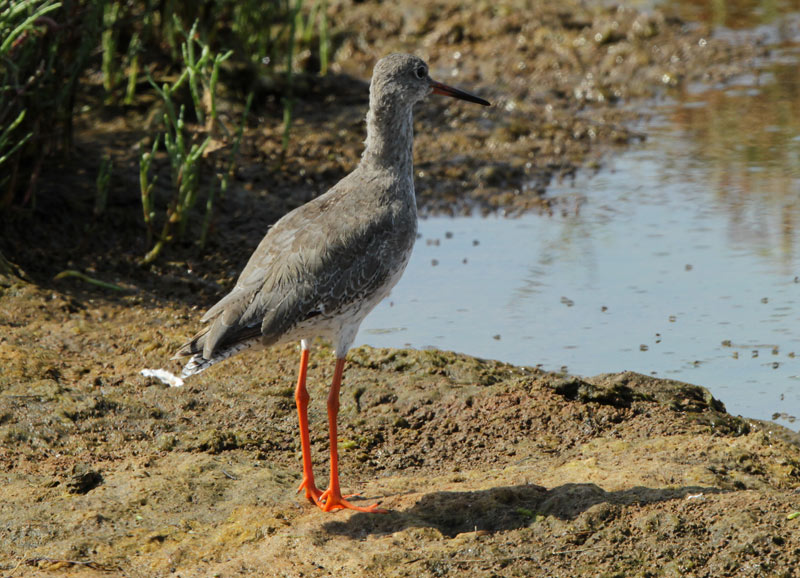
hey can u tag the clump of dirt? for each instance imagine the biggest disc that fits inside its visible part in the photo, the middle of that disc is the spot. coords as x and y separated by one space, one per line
488 469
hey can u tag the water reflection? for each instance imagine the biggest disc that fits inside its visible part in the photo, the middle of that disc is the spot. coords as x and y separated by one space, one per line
738 15
746 140
681 259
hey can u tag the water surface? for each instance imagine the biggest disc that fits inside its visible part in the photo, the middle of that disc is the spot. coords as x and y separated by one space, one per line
680 259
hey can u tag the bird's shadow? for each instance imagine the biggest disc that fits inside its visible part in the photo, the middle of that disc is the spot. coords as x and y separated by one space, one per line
503 508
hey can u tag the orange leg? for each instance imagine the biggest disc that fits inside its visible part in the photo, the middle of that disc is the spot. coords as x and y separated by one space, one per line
301 398
332 499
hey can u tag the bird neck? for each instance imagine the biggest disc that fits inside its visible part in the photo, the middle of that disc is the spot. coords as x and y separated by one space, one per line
390 138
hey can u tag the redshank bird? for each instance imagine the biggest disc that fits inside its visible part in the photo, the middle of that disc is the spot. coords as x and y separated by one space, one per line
324 266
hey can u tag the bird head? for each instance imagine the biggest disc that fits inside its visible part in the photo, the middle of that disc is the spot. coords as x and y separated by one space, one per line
403 79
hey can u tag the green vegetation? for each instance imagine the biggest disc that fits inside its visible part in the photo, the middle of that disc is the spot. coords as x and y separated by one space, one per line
103 183
202 75
86 278
37 88
49 49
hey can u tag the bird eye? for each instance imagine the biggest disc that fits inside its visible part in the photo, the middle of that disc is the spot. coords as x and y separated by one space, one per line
421 72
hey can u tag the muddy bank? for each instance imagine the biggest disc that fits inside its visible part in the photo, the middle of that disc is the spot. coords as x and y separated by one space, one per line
487 468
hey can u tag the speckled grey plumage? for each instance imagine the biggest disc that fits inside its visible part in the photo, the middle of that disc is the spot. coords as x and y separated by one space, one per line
323 267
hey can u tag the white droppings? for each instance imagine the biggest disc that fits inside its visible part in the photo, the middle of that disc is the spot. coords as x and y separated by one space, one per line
163 376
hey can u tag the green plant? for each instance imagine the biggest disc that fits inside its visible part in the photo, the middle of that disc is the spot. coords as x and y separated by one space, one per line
319 15
20 22
300 32
201 73
185 168
87 279
185 165
146 189
46 47
228 173
134 48
8 146
111 12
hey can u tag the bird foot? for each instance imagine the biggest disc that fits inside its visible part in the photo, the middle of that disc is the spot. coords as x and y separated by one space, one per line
330 501
312 493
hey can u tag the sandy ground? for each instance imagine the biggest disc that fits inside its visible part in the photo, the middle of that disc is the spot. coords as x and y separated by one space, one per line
487 469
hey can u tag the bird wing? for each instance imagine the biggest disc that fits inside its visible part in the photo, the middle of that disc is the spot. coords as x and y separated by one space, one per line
315 261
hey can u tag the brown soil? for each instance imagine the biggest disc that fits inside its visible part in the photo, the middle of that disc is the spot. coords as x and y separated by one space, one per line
488 469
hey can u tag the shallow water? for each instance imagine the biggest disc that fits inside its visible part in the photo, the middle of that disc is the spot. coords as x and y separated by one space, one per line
681 259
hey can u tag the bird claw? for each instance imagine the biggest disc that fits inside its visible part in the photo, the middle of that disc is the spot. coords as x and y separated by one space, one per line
312 493
330 501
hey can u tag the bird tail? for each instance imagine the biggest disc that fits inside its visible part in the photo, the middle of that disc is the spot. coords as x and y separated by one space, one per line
223 345
193 349
198 363
194 345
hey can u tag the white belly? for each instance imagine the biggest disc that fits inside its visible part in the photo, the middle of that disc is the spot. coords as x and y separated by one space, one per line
342 326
